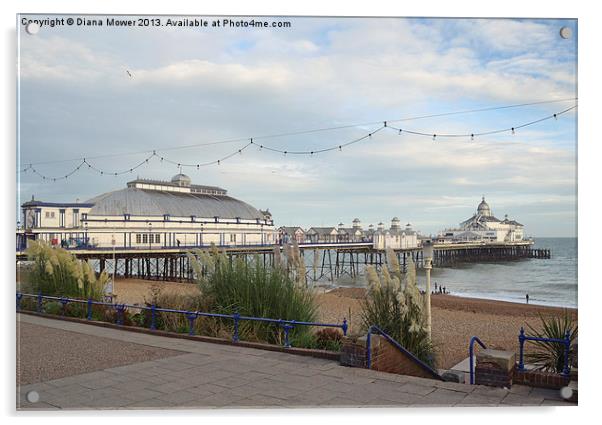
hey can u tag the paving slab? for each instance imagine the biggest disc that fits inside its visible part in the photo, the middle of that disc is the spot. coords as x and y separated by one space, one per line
206 375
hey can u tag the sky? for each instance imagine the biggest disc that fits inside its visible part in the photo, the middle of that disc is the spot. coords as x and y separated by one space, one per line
195 86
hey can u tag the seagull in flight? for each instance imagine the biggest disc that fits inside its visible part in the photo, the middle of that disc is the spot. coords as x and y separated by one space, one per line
128 73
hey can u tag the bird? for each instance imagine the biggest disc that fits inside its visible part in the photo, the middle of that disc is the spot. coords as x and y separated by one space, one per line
128 73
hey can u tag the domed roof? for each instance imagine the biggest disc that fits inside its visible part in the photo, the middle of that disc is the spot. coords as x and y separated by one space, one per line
142 202
356 220
483 208
181 180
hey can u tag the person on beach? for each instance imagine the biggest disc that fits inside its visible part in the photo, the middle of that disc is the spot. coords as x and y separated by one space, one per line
527 298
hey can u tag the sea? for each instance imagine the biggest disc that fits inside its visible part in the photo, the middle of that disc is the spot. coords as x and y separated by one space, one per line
551 282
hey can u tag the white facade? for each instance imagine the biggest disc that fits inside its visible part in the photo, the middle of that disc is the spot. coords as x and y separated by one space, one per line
484 226
395 237
150 214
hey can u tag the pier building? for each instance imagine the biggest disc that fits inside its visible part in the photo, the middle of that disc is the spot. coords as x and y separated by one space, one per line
150 214
484 226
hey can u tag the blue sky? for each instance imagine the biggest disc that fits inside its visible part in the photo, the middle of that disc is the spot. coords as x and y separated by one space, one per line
191 86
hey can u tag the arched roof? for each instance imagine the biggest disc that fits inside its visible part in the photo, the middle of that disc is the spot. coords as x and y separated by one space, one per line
141 202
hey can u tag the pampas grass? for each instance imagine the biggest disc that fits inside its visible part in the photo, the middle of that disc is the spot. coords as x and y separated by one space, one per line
56 272
395 305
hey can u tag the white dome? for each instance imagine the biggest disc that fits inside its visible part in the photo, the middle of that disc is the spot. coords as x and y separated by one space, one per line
483 208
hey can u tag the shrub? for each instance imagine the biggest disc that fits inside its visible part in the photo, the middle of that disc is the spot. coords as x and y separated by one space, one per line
549 356
394 304
56 272
329 339
251 288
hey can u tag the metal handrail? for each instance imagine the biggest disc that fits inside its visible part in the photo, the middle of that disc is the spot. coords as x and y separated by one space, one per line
566 370
286 325
397 345
471 356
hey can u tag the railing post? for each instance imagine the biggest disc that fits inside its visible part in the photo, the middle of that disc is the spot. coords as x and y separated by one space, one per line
19 296
64 302
89 312
344 327
368 349
471 360
120 309
153 325
191 316
39 306
236 317
521 342
287 328
567 347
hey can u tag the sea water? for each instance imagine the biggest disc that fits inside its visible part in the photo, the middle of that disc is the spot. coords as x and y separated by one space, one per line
547 281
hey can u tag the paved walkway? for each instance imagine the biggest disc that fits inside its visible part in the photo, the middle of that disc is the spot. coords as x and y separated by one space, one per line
210 375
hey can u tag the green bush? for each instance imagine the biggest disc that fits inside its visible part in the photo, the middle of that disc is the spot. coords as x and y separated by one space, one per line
395 305
251 288
549 356
56 272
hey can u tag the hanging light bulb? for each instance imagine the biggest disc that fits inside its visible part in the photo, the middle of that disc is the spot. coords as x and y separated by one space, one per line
340 148
400 131
513 132
434 136
471 137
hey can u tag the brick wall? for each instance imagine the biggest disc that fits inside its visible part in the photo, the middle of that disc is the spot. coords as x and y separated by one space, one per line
387 358
353 352
537 378
491 374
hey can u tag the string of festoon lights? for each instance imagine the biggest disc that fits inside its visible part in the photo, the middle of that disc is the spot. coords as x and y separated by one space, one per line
384 125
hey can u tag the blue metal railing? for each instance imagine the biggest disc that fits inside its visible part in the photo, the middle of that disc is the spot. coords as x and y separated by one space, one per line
286 325
566 370
521 339
471 356
375 329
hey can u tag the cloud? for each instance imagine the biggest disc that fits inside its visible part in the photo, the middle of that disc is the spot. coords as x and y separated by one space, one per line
190 87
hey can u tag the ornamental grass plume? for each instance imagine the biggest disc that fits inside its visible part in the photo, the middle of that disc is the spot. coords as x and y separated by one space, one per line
396 307
314 265
56 272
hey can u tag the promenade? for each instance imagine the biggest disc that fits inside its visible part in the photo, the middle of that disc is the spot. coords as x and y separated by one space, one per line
91 367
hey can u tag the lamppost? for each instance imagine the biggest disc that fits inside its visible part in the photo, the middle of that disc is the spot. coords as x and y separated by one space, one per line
427 250
150 229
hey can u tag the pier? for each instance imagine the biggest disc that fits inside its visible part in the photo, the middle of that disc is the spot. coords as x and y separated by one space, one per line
324 261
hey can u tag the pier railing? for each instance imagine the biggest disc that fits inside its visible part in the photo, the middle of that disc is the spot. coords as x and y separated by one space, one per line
191 316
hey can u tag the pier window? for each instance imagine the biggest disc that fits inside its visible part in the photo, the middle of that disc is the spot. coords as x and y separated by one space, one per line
157 238
192 218
165 217
216 218
138 238
127 217
62 218
233 237
144 238
75 217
